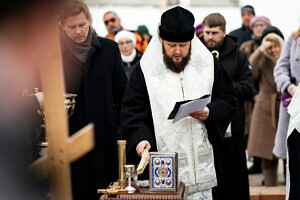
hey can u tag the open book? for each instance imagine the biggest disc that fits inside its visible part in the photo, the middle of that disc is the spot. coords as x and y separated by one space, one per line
183 109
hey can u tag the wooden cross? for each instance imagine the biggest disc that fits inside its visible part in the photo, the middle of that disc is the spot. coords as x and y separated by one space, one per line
62 149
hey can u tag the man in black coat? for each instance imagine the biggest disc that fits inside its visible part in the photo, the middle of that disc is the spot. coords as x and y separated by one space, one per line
237 66
93 70
244 33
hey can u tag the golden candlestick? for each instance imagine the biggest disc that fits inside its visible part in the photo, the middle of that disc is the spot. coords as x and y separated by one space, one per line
118 186
122 159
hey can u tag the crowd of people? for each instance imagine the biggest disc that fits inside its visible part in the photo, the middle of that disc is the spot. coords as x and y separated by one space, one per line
128 82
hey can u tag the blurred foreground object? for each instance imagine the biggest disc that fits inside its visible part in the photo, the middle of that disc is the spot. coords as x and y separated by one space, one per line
29 39
21 37
62 150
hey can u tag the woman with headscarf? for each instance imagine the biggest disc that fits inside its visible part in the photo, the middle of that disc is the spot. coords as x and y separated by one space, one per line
130 55
257 25
265 114
199 30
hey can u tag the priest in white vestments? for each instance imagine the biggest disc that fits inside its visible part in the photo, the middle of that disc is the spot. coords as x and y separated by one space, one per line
177 67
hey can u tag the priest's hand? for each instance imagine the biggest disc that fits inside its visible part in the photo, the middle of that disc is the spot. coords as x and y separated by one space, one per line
142 146
200 115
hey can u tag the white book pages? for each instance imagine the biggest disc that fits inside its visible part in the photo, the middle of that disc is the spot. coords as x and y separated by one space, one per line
186 109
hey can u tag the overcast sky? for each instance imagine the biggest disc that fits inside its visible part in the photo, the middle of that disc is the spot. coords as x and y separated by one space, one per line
285 14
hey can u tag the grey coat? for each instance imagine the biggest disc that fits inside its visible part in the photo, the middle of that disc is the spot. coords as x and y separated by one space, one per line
287 66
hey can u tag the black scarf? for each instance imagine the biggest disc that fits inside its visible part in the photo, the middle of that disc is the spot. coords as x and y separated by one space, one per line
75 56
80 50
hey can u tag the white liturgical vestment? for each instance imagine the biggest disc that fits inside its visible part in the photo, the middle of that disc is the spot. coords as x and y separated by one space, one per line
188 137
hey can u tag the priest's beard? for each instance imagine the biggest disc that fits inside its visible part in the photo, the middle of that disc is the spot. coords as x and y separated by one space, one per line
176 67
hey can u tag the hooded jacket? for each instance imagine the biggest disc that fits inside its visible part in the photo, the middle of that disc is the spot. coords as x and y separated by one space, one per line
237 66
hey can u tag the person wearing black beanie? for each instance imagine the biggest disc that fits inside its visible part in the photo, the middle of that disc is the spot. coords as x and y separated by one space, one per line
271 29
248 8
177 67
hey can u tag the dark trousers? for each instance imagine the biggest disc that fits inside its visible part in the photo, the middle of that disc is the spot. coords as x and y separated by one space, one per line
231 169
294 165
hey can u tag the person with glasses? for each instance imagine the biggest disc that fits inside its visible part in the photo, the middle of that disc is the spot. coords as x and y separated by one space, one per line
130 55
257 25
113 25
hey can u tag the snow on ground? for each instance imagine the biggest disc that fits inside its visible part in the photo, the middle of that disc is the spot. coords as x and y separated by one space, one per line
284 14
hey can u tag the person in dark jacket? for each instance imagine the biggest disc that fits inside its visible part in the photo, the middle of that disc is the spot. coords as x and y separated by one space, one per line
93 70
236 64
244 33
113 25
130 55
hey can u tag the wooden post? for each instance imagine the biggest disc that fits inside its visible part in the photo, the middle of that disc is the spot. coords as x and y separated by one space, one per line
62 149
